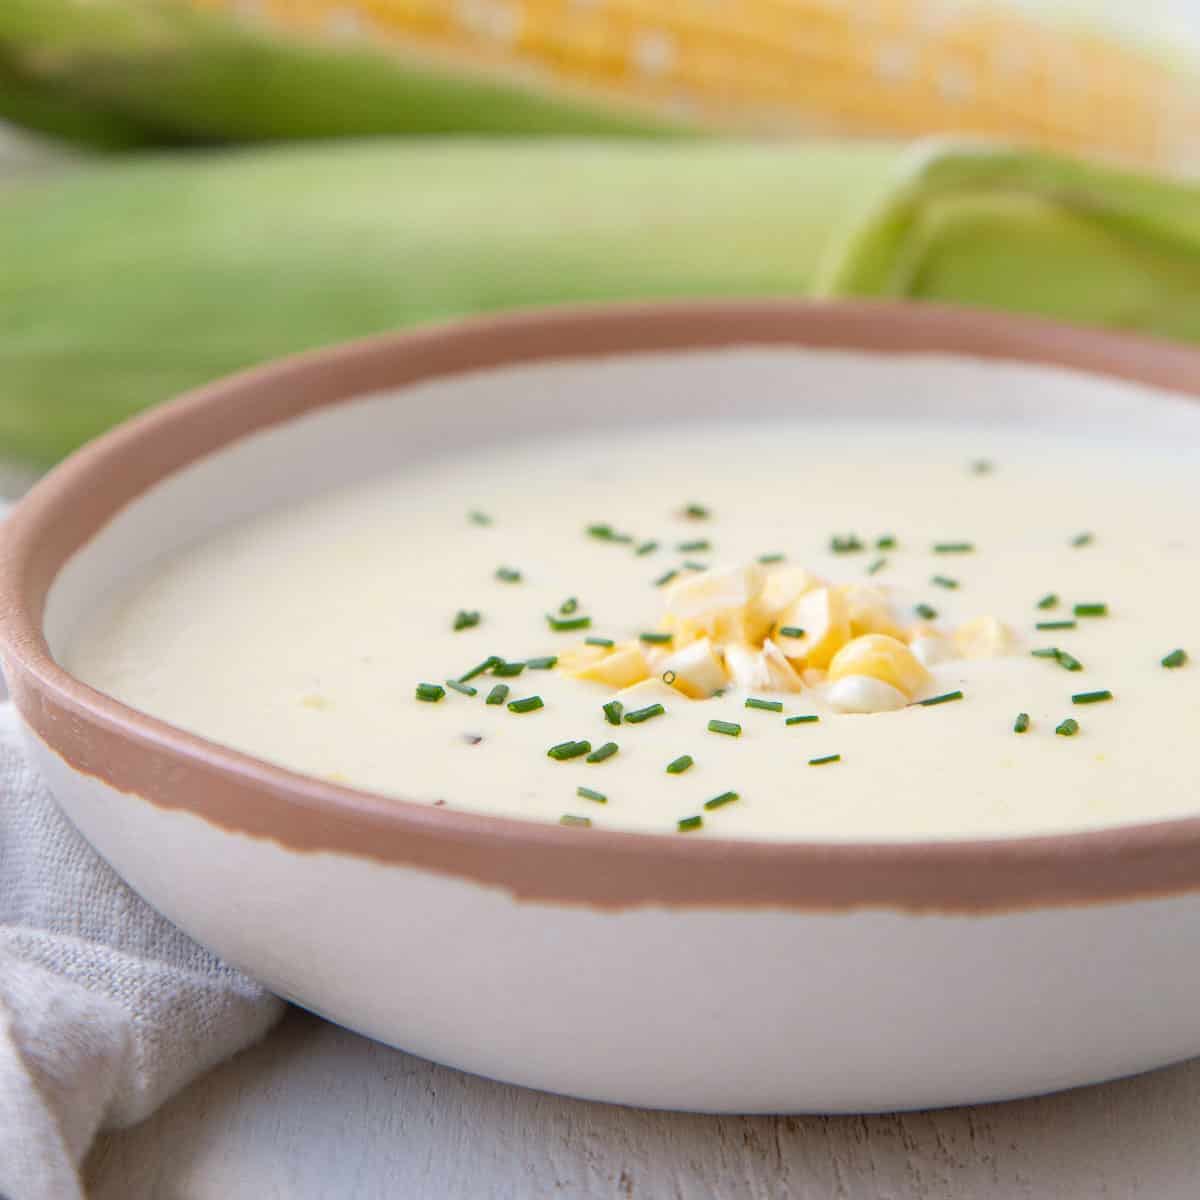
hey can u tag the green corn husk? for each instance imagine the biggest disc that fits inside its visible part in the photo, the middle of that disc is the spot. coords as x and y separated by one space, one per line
126 283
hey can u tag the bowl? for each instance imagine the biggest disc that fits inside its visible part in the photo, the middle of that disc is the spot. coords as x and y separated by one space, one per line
707 974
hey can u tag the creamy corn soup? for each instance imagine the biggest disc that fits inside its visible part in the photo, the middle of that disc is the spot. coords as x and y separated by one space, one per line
785 631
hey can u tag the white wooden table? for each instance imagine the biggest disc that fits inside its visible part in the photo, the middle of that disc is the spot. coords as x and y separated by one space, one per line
315 1111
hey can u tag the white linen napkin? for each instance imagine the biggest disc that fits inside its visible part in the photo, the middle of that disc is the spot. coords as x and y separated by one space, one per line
106 1009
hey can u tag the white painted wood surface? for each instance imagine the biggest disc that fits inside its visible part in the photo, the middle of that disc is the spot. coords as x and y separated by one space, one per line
317 1112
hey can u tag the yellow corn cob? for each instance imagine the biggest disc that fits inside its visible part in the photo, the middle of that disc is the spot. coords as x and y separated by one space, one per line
864 67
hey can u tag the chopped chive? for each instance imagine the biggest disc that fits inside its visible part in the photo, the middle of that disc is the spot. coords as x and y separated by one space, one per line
528 704
606 533
886 542
565 751
567 624
1067 728
677 766
1082 539
828 758
577 822
478 518
697 512
729 728
487 664
721 800
669 677
608 643
1091 610
587 793
803 719
691 565
944 698
1091 697
1175 659
644 714
876 566
1049 600
1056 625
646 548
1021 724
845 544
431 693
687 824
981 466
953 547
466 619
602 752
612 712
768 559
765 705
1067 661
656 639
945 581
569 606
790 631
925 611
464 688
507 670
508 575
695 546
665 578
498 694
545 663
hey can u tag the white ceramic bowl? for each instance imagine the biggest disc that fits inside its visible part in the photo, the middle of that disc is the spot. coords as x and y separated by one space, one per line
654 970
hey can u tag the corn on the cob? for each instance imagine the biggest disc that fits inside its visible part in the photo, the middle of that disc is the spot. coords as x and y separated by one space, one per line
281 68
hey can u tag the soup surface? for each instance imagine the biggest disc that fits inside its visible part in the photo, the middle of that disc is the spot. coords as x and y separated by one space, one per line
301 635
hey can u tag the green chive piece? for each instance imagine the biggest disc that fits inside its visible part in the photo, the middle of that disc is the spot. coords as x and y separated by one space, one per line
768 559
765 705
577 822
690 823
695 546
545 663
1067 661
790 631
1048 601
569 606
729 728
804 719
953 547
1021 724
606 533
669 677
507 670
1056 625
478 518
602 752
690 565
721 800
612 712
944 581
565 751
1082 539
677 766
587 793
666 578
498 694
431 693
981 466
845 543
944 698
1068 728
608 643
644 714
508 575
656 639
567 624
487 664
1091 697
925 611
528 704
828 758
886 542
464 688
1091 610
646 548
1175 659
466 619
876 566
697 512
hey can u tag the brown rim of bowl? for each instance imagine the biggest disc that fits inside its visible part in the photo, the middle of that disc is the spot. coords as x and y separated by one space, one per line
142 756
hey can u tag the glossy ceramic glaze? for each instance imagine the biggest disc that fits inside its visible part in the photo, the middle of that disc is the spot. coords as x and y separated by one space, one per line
644 969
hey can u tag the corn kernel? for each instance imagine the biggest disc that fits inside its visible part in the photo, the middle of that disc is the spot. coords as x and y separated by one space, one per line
620 667
984 637
696 668
880 657
825 619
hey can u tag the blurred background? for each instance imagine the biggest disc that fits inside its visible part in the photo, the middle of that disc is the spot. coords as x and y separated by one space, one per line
188 187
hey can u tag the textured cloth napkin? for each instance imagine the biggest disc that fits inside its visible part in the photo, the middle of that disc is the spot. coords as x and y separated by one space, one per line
106 1009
